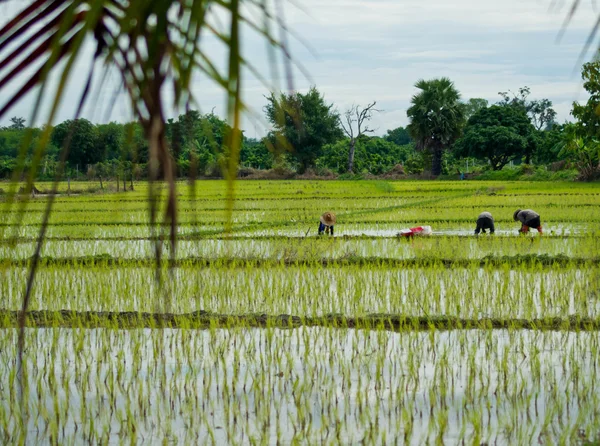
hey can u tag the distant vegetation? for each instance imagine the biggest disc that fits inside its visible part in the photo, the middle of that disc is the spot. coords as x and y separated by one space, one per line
513 138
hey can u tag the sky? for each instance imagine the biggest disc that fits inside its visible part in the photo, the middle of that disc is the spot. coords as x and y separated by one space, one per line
359 51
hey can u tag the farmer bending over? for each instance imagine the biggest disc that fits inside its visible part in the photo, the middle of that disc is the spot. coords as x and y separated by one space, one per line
528 219
485 221
327 221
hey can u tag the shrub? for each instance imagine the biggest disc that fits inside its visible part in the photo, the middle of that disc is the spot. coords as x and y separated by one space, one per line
245 172
395 172
414 165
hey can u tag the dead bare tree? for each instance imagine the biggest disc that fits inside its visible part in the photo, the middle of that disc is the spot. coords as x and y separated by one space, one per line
356 124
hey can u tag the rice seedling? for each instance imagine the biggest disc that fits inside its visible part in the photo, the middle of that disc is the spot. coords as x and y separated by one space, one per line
276 335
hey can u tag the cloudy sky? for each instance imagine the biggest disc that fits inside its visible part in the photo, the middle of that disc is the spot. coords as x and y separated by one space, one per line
358 51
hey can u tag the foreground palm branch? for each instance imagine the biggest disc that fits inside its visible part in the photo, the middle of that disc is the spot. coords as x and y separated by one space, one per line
152 44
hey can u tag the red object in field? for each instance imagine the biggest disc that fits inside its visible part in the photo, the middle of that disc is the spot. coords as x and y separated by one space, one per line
419 230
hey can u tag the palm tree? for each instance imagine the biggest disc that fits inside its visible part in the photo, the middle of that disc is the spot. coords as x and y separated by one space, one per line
436 118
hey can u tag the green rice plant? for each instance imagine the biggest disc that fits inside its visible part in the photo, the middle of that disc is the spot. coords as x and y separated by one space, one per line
363 336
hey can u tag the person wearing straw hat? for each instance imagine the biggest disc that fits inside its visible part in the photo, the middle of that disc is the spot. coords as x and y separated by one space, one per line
485 221
326 223
528 219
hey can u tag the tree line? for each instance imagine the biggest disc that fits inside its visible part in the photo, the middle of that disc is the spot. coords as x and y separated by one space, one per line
307 133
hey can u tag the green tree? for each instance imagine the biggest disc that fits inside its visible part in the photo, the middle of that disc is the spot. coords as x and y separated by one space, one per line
356 124
583 151
436 118
212 139
255 154
473 105
212 132
548 146
7 165
175 137
581 140
302 124
199 143
190 123
110 140
539 111
10 142
398 136
81 137
374 155
103 172
518 99
587 114
542 114
17 123
497 133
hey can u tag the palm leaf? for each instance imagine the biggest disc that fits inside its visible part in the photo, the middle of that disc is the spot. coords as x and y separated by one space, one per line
151 44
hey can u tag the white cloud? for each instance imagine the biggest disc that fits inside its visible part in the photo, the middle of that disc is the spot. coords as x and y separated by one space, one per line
377 49
507 15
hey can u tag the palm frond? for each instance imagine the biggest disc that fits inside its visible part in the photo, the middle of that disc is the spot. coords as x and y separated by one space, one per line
152 44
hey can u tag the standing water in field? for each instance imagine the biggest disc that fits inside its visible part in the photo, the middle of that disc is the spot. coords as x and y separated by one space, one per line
309 384
312 385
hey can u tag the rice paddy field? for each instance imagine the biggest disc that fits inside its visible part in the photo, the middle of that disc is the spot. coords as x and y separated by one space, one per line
270 334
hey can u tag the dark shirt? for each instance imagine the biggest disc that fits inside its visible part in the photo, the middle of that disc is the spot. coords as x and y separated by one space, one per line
527 215
485 221
529 219
325 229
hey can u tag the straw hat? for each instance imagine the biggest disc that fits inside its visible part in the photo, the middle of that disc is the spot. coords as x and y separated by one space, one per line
328 219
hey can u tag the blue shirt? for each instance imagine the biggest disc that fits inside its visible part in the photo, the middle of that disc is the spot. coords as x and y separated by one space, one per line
325 229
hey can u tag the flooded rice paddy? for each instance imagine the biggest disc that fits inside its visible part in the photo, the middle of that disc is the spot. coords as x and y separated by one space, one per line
227 383
312 385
